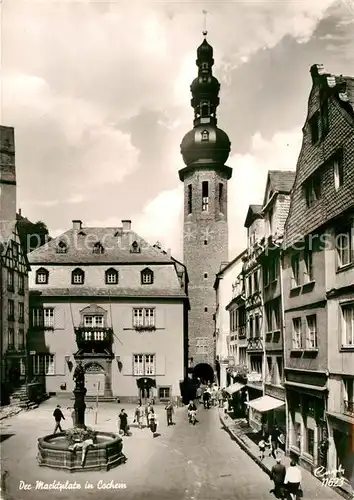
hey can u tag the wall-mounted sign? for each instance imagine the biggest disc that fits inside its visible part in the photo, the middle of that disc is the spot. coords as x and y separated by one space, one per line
254 377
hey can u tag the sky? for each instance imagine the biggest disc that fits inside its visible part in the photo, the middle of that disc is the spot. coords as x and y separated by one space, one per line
98 93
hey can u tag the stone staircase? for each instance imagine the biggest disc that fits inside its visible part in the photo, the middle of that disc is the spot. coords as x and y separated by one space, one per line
20 398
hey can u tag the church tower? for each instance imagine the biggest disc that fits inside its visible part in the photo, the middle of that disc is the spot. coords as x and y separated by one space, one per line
205 149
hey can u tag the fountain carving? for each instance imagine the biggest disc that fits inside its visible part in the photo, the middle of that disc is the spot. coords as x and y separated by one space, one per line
99 450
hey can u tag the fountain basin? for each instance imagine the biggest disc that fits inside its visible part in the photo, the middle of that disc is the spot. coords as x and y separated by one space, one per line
54 452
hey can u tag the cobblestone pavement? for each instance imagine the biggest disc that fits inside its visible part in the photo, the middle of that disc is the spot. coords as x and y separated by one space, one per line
185 462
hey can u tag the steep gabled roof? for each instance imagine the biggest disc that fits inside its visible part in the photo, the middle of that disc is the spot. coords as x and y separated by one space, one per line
7 230
116 245
254 212
279 181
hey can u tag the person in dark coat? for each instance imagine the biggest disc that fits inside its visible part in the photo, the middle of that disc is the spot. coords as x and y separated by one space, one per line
278 475
58 416
275 440
169 413
123 422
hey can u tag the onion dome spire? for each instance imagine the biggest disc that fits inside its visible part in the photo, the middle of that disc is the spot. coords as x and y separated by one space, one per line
206 143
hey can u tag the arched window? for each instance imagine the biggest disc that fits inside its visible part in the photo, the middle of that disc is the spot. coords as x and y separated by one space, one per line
135 248
78 277
205 65
111 276
62 247
42 276
98 248
205 135
147 277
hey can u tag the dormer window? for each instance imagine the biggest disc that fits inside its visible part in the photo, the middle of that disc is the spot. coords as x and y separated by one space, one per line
62 247
98 248
135 248
42 276
78 277
205 135
81 233
111 276
147 277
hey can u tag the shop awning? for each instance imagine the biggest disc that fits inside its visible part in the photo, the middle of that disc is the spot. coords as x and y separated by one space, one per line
234 388
265 403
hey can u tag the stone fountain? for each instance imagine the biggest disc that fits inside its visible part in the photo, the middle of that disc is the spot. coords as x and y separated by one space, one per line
80 448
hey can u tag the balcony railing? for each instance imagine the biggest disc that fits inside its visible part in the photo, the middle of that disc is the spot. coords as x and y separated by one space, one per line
254 343
348 408
94 338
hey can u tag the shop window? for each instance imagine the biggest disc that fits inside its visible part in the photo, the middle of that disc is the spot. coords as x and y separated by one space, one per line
310 442
164 393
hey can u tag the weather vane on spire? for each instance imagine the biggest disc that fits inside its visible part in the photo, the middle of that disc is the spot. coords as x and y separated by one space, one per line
205 32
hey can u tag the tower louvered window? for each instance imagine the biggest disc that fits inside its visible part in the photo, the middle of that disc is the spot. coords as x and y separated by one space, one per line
205 196
190 198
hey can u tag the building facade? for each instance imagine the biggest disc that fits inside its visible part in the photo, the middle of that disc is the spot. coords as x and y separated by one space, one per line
318 281
104 297
223 291
205 150
13 275
253 302
237 339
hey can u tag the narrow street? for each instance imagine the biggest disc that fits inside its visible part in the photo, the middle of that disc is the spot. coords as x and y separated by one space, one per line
185 462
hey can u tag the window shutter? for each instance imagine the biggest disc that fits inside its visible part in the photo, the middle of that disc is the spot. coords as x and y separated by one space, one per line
59 318
160 317
160 365
127 318
127 365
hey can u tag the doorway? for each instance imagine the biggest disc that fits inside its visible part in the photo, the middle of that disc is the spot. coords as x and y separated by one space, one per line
94 379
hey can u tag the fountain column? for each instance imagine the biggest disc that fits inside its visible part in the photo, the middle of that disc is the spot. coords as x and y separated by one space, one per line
79 394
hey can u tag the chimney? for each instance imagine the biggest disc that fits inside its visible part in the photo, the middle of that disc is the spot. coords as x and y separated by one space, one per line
77 224
127 224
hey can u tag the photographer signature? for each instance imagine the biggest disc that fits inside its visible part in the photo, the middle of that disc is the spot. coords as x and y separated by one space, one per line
333 477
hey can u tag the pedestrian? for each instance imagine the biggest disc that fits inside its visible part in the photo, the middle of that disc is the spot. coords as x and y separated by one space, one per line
274 438
73 416
220 398
226 406
123 422
206 398
58 416
139 413
153 423
169 413
261 446
293 479
199 394
278 476
148 409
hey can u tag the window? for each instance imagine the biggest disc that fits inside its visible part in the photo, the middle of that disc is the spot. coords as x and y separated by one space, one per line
295 264
338 170
205 196
308 266
269 316
147 277
313 189
344 245
10 310
221 198
297 334
348 325
256 325
190 198
273 268
11 338
144 317
265 270
98 248
21 312
251 327
111 277
250 290
205 65
10 280
164 392
205 135
61 247
78 277
135 248
311 339
348 396
270 221
144 364
255 281
37 317
48 317
205 275
280 369
42 276
93 320
21 339
205 108
314 127
205 309
43 364
21 284
205 242
201 345
310 442
14 250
